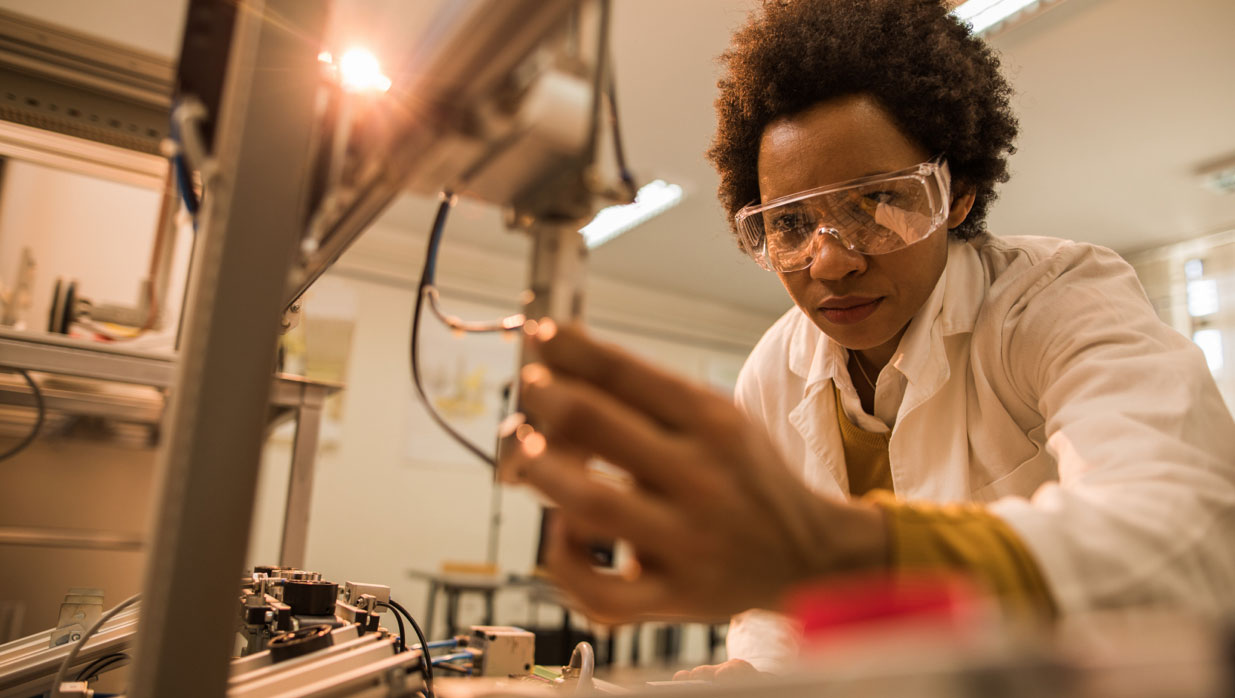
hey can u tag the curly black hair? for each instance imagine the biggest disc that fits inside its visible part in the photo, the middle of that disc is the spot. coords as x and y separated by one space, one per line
940 84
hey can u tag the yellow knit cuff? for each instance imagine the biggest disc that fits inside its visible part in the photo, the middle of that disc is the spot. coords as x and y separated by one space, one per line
969 539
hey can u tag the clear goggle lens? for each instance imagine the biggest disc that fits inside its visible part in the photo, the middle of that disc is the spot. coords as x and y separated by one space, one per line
872 216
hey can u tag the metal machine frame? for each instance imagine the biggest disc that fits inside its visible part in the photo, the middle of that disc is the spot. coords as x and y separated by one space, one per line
249 236
249 272
250 266
291 397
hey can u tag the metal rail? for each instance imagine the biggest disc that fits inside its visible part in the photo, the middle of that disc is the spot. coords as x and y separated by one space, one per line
250 229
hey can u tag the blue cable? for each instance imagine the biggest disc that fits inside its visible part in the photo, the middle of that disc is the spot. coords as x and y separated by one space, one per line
439 644
184 178
451 657
184 182
429 275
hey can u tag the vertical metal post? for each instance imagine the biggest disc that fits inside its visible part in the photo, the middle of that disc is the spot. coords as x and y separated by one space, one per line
559 255
431 604
559 258
300 480
214 428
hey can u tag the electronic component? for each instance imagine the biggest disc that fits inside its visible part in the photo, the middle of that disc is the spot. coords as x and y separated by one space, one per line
297 643
353 591
501 650
310 597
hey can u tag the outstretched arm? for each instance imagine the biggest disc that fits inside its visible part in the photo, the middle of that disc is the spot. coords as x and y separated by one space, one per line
717 522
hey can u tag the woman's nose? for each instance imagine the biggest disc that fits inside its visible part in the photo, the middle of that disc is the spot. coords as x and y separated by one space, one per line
832 260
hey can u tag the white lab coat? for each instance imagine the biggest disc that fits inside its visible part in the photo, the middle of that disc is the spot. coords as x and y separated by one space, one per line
1037 379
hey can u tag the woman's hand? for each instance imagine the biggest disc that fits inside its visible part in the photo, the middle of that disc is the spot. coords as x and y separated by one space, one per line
718 524
732 670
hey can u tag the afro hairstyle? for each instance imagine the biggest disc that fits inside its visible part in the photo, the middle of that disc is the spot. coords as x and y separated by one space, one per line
941 85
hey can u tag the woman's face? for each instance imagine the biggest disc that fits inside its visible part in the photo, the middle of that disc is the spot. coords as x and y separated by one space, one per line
862 302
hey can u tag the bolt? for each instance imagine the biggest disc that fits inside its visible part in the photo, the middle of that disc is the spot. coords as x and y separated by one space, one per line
75 637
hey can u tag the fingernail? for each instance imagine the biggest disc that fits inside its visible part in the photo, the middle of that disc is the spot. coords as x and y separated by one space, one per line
535 375
541 330
547 329
631 570
534 444
512 422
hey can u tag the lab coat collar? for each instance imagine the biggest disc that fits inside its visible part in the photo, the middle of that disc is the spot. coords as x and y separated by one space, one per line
951 309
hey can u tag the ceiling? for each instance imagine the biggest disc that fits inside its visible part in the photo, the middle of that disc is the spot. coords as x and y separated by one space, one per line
1120 101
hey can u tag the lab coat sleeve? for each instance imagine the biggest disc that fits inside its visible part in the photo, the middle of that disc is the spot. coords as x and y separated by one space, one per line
765 639
1144 508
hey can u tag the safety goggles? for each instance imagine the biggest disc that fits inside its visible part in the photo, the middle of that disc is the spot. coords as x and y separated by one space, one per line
870 215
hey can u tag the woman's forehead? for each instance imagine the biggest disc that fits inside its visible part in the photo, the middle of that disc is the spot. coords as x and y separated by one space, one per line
832 142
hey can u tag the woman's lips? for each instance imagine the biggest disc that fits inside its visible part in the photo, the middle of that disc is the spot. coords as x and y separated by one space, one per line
846 311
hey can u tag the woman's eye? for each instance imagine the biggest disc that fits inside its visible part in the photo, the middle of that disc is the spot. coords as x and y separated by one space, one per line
880 197
788 224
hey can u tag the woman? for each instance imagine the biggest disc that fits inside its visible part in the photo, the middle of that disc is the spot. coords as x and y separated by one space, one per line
1010 408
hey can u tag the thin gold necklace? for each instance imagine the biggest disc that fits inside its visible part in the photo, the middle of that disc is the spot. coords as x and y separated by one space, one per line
858 360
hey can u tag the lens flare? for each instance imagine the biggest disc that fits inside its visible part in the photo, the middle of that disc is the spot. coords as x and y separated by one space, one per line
359 71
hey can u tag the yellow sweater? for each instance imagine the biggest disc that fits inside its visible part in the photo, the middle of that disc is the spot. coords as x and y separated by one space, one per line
962 537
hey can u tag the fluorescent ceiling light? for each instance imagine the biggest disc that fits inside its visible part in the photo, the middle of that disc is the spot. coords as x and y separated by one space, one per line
1210 342
653 199
984 14
1202 297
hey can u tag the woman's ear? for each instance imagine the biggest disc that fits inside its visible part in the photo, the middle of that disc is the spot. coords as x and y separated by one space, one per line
962 201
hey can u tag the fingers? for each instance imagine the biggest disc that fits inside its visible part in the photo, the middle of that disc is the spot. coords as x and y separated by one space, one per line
583 417
603 596
660 394
705 672
602 507
732 670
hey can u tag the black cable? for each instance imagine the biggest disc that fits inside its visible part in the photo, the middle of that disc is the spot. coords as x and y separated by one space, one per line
602 70
427 276
619 151
402 630
38 420
424 646
605 75
98 666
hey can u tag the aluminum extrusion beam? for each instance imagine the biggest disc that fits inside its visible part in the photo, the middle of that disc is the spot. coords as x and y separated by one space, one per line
66 356
28 664
251 227
300 483
471 47
72 83
63 538
138 409
50 353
